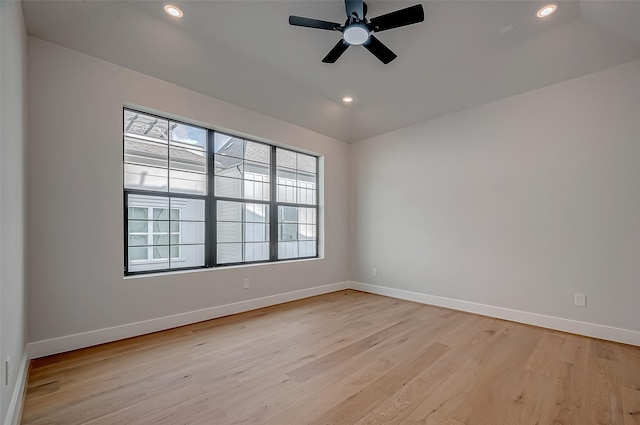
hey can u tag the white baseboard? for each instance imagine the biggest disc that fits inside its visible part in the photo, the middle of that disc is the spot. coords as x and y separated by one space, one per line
17 398
625 336
100 336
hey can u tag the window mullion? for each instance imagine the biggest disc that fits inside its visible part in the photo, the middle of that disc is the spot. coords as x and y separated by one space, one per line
211 205
149 234
273 210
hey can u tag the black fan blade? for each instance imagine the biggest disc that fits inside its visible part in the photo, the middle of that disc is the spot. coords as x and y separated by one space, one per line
399 18
313 23
354 7
379 50
336 52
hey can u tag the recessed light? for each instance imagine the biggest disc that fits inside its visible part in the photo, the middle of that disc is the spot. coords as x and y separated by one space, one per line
348 99
547 10
173 11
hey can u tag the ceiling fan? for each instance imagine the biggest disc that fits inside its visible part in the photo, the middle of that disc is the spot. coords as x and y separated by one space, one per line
357 30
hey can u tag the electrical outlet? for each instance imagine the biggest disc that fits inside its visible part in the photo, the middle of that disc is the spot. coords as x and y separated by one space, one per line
6 371
374 272
246 283
581 300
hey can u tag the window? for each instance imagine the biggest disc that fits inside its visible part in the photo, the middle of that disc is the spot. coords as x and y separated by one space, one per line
197 198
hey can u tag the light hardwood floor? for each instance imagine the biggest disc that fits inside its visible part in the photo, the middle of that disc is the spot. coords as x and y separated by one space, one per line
342 358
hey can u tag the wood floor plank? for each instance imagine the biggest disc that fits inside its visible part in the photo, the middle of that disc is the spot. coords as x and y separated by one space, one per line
604 391
343 358
631 405
545 356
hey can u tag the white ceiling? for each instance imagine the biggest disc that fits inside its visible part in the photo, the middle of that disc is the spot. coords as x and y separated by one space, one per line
245 53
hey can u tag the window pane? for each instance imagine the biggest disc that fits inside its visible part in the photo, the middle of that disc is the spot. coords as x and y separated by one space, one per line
229 253
138 240
140 231
287 250
285 158
138 253
286 194
306 163
257 191
257 152
160 226
187 256
145 126
307 215
296 177
160 214
183 182
306 196
288 214
229 232
228 188
307 249
227 166
160 252
306 232
138 213
256 171
306 180
191 232
188 136
286 189
144 177
258 213
229 211
287 232
228 145
256 251
244 223
189 160
286 177
145 152
187 209
174 223
255 232
297 232
137 226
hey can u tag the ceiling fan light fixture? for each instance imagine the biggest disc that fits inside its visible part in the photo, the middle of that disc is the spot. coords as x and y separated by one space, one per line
173 11
356 34
547 10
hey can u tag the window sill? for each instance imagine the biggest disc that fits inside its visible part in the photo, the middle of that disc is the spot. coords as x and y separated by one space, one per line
209 269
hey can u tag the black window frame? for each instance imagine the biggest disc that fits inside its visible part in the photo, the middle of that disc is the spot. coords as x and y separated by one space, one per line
211 200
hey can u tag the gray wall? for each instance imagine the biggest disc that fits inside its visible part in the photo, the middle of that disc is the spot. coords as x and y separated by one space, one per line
520 203
75 195
12 196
